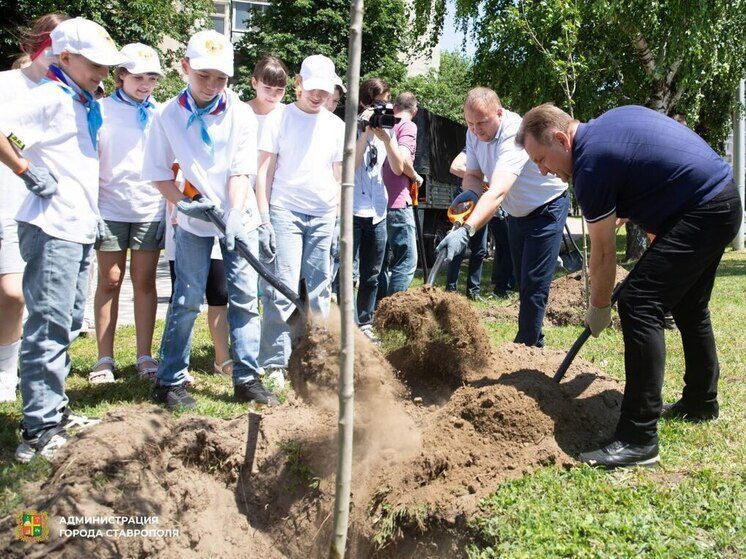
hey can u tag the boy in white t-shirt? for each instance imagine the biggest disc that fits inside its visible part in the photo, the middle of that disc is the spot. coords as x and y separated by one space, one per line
57 131
132 211
298 184
211 134
17 84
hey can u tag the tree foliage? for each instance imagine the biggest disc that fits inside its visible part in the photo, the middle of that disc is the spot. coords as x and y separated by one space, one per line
675 56
444 89
294 29
145 21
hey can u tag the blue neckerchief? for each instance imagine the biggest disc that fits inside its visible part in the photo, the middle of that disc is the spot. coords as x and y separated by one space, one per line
215 107
56 75
144 108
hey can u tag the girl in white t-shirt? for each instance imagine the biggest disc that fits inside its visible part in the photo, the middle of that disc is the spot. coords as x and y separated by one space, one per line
35 45
298 184
269 81
132 211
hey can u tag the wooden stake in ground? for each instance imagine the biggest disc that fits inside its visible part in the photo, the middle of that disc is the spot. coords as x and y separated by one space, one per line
347 353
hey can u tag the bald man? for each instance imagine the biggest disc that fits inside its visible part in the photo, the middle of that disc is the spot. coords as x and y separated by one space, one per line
635 163
536 205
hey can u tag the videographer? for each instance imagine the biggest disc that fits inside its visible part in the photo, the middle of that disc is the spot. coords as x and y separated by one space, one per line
374 145
397 273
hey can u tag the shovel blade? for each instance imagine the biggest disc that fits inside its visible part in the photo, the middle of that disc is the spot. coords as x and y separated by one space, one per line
299 319
572 261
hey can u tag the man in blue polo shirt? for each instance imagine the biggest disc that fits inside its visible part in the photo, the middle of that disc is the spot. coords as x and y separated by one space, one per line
635 163
536 205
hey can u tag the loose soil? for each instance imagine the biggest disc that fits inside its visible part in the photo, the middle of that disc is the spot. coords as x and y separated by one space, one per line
565 307
431 440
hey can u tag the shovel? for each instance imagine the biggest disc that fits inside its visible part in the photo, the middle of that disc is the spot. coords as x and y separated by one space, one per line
457 215
414 194
298 320
572 260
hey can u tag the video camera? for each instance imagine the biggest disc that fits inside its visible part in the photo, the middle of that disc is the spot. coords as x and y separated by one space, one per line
382 117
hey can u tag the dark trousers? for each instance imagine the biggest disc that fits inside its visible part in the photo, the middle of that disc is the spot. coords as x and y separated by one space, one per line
534 246
675 274
502 264
369 243
478 248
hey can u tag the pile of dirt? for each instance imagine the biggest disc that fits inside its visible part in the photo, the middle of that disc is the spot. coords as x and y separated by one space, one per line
445 337
263 485
566 304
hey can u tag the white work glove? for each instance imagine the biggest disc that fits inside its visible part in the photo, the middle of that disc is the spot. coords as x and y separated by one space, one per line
39 181
195 208
234 229
454 243
267 241
597 319
100 229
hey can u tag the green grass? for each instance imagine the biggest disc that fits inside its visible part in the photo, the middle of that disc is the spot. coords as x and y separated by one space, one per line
693 506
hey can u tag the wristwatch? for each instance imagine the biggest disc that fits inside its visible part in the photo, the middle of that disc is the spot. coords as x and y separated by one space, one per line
470 229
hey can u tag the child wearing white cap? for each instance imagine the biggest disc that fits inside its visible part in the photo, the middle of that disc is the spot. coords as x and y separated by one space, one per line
132 210
56 130
211 134
34 43
298 185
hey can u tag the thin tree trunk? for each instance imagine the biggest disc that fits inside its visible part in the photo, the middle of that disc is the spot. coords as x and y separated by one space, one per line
347 352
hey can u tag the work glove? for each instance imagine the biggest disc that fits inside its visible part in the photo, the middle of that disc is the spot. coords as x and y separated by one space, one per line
267 242
234 229
454 243
597 319
39 181
161 231
419 179
335 242
195 208
100 229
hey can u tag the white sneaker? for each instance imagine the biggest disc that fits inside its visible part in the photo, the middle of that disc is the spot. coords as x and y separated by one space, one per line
367 329
276 376
45 444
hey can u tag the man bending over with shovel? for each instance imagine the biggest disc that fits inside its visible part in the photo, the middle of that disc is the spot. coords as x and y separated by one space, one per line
635 163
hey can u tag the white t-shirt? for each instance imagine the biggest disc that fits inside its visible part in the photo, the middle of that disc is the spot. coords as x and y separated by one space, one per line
261 119
306 146
531 189
13 84
54 128
233 134
123 195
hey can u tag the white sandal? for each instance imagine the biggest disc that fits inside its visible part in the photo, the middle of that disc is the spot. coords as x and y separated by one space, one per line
220 369
103 376
146 372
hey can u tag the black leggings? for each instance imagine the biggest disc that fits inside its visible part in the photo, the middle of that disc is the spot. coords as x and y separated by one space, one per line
216 290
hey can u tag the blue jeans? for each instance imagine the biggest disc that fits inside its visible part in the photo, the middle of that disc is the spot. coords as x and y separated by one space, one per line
502 265
192 265
400 261
535 244
54 284
304 243
478 247
369 243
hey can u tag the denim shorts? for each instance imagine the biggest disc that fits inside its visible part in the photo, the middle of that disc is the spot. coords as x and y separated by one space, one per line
121 235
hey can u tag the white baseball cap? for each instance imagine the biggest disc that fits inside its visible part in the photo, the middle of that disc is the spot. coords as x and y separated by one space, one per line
86 38
141 59
338 81
318 72
210 50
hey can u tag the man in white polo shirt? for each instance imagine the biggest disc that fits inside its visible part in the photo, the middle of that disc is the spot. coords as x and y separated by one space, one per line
536 205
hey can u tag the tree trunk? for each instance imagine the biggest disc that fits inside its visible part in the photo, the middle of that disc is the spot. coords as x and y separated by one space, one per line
347 350
637 241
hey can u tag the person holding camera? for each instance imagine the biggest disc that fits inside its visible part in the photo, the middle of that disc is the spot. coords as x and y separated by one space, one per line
375 144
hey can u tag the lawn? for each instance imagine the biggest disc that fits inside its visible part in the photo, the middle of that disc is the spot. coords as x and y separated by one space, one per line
692 506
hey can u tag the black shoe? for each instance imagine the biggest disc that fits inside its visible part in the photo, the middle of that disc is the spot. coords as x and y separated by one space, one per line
500 294
618 454
475 296
174 396
254 391
679 410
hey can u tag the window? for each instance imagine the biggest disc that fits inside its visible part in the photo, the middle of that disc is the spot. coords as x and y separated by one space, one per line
243 12
219 17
